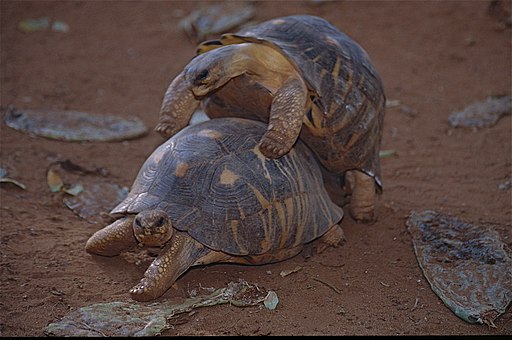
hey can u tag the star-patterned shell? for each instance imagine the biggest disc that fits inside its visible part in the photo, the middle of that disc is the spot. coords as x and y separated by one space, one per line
343 85
216 185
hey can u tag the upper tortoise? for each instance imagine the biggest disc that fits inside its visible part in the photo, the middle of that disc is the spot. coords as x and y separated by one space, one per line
302 76
208 195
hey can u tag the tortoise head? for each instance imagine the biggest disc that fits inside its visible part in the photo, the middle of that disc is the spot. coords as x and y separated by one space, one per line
152 227
211 70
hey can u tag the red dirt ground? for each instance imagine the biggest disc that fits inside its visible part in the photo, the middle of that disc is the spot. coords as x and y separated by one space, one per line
118 57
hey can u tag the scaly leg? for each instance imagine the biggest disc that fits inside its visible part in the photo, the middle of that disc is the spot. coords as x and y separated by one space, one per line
332 238
285 120
362 201
177 108
113 239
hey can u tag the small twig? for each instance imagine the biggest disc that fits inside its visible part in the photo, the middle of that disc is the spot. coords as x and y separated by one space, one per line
332 265
337 290
412 319
415 304
92 329
235 327
52 310
384 284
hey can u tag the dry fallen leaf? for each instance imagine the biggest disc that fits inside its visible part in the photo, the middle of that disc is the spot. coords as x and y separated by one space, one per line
290 271
5 179
54 181
120 318
74 126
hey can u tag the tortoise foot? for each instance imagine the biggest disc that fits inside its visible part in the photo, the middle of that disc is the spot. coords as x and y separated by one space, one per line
274 145
166 129
143 291
334 237
362 216
362 201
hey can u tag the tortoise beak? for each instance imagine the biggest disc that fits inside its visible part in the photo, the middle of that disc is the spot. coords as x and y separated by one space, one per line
152 228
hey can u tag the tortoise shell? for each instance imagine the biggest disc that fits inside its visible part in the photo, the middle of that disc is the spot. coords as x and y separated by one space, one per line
344 88
216 185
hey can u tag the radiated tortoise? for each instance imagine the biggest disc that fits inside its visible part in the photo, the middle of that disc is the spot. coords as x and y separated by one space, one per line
208 195
305 78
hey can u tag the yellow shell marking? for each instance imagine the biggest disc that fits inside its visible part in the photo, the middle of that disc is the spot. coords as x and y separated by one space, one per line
331 41
282 220
228 177
259 196
181 169
159 154
278 21
234 231
336 69
263 160
210 133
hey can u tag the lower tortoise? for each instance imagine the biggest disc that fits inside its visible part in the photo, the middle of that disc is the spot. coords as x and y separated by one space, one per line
208 195
304 78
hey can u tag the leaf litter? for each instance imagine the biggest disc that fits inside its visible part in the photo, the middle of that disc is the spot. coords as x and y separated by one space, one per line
483 113
74 126
90 193
42 24
216 18
120 318
271 300
5 179
467 266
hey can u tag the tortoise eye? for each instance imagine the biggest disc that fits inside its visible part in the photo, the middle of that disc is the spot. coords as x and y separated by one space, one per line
202 76
160 222
137 222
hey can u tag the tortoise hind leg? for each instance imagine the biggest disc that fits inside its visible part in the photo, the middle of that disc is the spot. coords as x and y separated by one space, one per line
113 239
281 255
362 201
332 238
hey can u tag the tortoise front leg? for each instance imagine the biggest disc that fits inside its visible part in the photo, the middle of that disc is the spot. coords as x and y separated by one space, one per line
181 252
178 106
113 239
285 120
362 201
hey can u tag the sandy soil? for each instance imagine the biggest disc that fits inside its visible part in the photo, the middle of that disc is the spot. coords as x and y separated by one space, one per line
118 57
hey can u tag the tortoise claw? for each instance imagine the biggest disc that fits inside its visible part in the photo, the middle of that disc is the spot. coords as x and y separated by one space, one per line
140 291
274 145
166 130
270 151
